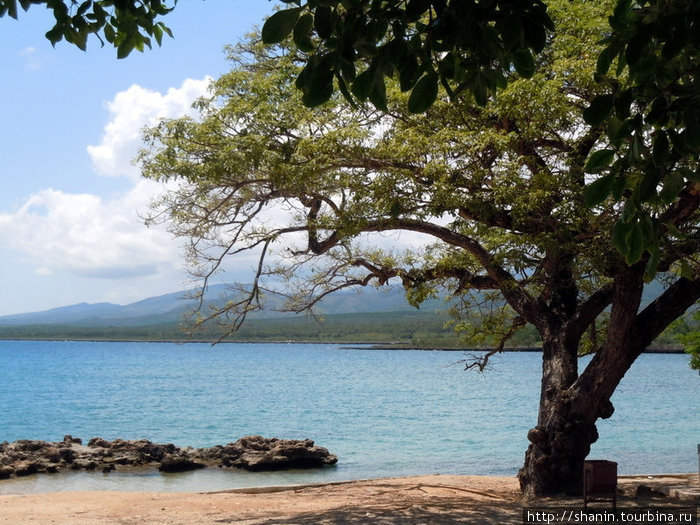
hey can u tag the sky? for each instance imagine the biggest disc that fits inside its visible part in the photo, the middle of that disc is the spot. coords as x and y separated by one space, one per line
70 121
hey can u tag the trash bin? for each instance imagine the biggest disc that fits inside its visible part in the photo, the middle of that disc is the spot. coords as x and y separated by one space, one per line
599 481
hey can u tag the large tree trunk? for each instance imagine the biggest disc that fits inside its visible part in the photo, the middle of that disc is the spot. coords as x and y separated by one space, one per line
564 433
566 427
554 459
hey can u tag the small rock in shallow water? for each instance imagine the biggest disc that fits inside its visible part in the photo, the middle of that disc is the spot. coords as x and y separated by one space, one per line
179 464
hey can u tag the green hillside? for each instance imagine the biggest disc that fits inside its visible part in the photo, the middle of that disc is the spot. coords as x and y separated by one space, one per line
410 328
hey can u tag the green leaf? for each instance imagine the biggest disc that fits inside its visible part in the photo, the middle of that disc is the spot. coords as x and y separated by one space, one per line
598 110
362 85
616 130
638 44
408 71
618 187
424 93
316 97
524 63
619 233
83 8
630 211
322 22
280 25
342 86
415 9
481 93
394 51
637 148
319 88
604 61
11 8
599 160
691 119
377 95
623 102
158 34
659 150
110 34
513 34
125 47
673 185
647 187
652 264
301 33
598 191
634 244
55 35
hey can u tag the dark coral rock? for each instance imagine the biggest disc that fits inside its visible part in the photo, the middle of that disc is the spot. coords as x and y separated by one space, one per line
98 442
68 454
27 468
173 463
258 453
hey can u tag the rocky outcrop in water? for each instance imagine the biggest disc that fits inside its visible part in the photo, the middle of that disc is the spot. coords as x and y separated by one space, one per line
25 457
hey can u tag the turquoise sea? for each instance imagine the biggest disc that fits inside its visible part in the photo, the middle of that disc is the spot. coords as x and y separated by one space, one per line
382 412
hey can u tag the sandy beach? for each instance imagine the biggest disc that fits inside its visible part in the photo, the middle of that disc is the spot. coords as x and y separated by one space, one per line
435 499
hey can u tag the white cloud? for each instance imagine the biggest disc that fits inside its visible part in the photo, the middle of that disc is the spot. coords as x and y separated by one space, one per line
132 110
89 236
97 246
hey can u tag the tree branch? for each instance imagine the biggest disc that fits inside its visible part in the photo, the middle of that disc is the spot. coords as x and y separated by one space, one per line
588 311
521 301
481 362
666 308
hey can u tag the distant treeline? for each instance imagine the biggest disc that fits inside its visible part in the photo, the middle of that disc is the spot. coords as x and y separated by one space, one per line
392 327
407 328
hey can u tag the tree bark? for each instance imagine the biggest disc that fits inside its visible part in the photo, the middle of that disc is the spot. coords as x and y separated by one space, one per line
563 437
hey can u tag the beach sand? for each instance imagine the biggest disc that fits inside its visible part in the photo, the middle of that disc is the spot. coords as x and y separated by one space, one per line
436 499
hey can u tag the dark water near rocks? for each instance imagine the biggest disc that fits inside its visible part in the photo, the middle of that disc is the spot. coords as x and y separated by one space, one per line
382 412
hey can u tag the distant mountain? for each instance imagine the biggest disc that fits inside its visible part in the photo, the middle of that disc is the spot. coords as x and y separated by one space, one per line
170 308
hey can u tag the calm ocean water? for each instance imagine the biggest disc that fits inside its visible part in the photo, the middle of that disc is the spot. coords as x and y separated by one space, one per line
383 413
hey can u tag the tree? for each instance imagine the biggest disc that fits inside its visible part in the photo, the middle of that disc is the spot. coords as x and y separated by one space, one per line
127 25
498 187
653 122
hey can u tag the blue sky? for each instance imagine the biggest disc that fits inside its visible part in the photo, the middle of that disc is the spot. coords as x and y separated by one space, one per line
69 126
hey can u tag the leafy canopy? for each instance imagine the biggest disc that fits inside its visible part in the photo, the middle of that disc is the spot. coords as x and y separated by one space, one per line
496 192
651 114
650 108
125 24
462 45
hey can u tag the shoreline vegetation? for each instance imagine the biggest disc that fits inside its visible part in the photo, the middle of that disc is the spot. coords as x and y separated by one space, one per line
386 331
347 345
